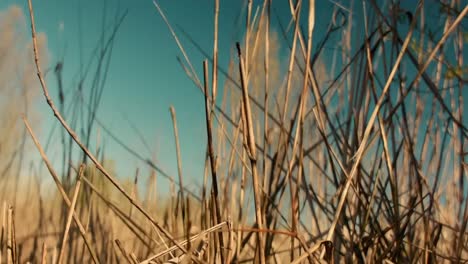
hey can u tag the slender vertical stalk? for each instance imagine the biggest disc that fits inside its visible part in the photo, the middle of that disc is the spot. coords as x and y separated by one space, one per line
179 162
10 245
71 211
247 38
44 254
211 154
214 81
267 3
252 151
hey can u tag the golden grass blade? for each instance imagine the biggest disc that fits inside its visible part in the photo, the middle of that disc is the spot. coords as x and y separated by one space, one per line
214 177
252 151
70 213
179 161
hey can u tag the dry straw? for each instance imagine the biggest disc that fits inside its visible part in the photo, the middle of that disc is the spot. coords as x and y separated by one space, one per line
351 148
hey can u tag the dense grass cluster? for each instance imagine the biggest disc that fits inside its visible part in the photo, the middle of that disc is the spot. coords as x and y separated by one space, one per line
352 148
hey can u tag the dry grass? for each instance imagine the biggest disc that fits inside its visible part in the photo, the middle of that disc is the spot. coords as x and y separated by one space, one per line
354 154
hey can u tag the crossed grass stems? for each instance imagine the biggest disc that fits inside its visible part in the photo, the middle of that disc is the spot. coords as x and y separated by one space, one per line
369 196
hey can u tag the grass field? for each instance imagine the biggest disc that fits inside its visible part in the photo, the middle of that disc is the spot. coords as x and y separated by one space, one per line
350 149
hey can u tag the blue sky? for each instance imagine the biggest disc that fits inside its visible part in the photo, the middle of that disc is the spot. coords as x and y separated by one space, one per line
144 76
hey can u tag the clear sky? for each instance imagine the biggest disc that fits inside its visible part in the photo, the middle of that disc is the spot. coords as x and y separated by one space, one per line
144 76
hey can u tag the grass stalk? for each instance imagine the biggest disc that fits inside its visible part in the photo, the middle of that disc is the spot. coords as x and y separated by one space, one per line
252 152
70 214
179 163
214 177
